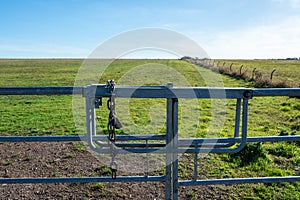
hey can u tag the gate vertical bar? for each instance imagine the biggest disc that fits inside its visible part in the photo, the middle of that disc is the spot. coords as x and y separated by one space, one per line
168 191
88 111
90 120
237 118
245 119
93 120
175 147
195 164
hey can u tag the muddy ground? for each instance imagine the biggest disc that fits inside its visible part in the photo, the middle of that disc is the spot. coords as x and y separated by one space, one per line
66 159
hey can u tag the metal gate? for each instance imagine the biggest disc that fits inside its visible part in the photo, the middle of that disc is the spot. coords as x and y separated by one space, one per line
168 144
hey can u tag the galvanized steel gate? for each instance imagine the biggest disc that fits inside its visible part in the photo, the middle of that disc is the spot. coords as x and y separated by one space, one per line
168 143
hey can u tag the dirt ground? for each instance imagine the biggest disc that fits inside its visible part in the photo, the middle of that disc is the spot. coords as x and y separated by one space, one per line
61 159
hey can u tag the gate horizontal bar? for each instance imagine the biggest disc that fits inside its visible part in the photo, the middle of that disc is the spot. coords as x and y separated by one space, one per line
155 145
182 142
150 91
240 180
166 92
41 90
276 92
77 138
274 138
129 150
81 179
194 141
40 138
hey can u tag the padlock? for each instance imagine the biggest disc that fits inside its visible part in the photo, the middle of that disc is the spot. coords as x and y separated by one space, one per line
117 123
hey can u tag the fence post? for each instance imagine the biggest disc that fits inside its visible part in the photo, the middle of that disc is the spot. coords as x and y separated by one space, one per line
271 76
230 67
241 69
253 73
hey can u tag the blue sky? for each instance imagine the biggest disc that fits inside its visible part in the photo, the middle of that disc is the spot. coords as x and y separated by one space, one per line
224 28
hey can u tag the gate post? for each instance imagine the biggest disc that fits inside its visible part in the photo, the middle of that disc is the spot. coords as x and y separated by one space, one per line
175 147
171 191
168 190
172 146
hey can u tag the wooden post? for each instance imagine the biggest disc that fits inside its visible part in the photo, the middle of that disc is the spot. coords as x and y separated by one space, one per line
271 76
241 69
253 72
230 67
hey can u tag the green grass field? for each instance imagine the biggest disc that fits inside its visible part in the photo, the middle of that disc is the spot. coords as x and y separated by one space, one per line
52 115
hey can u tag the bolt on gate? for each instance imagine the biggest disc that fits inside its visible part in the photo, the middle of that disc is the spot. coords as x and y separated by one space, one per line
168 144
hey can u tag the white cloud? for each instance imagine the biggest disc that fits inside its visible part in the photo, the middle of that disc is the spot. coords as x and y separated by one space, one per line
278 40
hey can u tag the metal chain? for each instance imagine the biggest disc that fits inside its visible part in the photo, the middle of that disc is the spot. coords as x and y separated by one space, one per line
113 123
111 120
113 163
